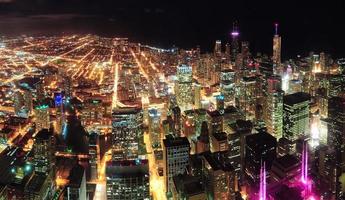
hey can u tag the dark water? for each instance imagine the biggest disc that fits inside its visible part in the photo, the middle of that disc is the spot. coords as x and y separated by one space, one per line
310 28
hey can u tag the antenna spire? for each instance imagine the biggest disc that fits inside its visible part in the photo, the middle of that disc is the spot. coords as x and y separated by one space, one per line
276 28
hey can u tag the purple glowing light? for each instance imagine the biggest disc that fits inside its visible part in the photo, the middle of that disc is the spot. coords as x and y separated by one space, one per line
262 191
304 170
235 33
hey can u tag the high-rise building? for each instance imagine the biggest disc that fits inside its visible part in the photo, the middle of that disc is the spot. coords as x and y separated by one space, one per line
128 180
183 87
28 101
126 132
218 48
220 176
260 148
273 110
197 96
94 152
176 158
247 96
44 151
154 127
18 102
76 188
42 119
235 46
276 51
227 51
215 120
336 127
296 116
245 52
227 86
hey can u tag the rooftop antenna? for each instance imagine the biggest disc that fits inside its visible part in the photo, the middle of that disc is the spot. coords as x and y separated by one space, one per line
276 28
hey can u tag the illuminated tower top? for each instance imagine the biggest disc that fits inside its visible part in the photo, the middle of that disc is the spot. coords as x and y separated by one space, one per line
276 28
276 51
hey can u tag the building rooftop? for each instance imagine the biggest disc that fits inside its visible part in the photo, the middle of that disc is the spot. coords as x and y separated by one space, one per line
287 161
260 140
217 161
188 185
296 98
220 136
127 168
175 141
44 134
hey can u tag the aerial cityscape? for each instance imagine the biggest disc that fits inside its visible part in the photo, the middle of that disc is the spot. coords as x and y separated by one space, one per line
84 116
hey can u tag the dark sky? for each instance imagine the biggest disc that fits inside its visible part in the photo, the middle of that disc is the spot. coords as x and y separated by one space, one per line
304 25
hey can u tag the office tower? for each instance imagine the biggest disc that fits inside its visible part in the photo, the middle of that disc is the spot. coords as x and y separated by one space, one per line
276 51
246 97
18 102
245 52
227 86
44 151
219 142
323 62
128 180
203 141
215 121
67 87
40 94
175 158
296 116
336 127
76 187
227 51
285 169
126 132
295 86
220 103
201 117
94 152
260 148
341 65
220 176
188 187
155 127
176 118
197 96
93 112
236 139
188 123
273 114
28 101
42 119
183 87
218 48
235 47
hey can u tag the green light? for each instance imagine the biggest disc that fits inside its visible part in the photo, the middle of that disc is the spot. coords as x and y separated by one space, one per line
13 170
28 168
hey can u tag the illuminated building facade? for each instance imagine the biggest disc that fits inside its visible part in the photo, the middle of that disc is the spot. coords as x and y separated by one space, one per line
175 158
126 130
277 42
218 48
128 180
220 176
183 87
42 117
260 147
246 96
273 110
227 86
296 116
235 46
44 150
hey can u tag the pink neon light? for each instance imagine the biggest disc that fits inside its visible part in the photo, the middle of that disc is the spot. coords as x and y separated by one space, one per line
262 191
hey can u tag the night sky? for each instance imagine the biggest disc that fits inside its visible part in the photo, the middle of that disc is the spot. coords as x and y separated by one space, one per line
304 25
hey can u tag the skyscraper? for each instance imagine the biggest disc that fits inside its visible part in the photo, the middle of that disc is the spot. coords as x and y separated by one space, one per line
42 117
227 86
273 114
218 48
183 87
296 116
128 180
126 131
175 158
260 147
235 46
44 150
276 51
